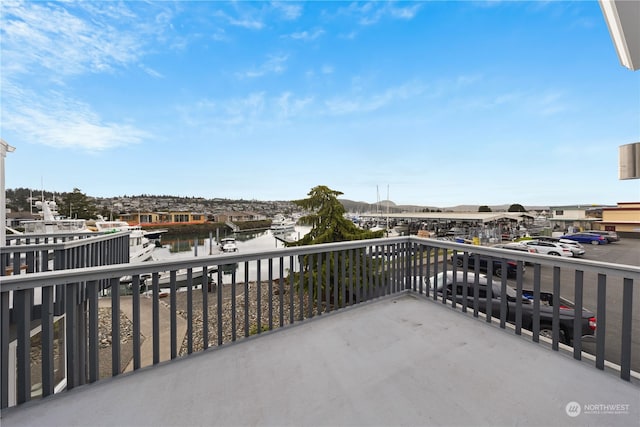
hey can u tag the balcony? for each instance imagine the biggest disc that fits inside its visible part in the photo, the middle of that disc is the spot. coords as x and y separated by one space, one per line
337 334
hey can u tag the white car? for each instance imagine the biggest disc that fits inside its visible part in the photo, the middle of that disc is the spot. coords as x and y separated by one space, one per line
576 248
549 248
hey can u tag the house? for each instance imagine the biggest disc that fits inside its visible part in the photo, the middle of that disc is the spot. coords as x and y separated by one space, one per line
574 217
235 216
623 219
147 218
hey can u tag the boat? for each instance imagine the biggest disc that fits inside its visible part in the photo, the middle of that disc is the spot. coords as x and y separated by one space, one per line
281 224
140 246
228 244
51 222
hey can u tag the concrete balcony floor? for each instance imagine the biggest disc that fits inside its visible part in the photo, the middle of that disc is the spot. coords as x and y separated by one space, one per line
396 361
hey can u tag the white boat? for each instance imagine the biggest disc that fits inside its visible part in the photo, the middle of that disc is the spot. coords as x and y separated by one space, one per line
281 224
228 244
140 247
52 223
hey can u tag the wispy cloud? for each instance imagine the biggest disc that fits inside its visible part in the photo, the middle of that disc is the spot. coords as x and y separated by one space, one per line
290 106
56 120
307 35
244 114
549 103
344 105
72 38
327 69
290 11
273 65
370 13
246 21
151 72
251 24
61 41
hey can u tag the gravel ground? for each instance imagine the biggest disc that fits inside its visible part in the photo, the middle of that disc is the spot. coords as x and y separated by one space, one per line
104 334
126 326
227 313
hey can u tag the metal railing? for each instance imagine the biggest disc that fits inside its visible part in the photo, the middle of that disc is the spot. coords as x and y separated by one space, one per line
33 253
197 303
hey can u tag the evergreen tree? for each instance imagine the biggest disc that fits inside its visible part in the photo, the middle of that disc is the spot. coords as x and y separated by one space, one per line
329 224
77 205
327 219
484 208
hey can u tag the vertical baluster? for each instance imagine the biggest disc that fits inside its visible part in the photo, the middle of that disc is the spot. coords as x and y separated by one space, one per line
536 302
246 298
47 341
4 348
155 285
343 278
292 273
205 305
173 308
555 321
94 339
281 291
72 335
135 288
22 309
465 277
233 306
503 295
489 299
519 278
219 307
270 284
115 326
259 295
319 283
627 309
577 318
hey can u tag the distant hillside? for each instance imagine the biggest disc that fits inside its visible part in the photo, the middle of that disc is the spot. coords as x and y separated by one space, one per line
362 207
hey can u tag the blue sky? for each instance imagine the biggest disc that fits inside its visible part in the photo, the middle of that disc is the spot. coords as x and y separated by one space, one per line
442 103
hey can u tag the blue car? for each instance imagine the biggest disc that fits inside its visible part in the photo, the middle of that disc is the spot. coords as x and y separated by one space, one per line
594 239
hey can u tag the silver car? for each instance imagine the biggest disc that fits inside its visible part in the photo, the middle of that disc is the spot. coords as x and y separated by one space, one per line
549 248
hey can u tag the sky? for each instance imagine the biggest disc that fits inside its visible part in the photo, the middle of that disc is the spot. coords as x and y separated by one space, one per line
430 103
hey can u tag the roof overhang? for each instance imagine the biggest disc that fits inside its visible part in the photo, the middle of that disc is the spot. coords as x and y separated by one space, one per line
622 17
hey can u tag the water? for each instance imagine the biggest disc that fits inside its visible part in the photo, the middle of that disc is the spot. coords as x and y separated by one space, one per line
246 242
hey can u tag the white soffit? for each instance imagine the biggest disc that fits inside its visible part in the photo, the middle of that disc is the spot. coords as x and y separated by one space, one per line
623 20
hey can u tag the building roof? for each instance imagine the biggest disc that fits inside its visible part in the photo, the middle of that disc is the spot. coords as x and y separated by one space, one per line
483 217
622 17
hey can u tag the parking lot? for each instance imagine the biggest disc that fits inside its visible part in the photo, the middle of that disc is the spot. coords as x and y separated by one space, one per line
626 251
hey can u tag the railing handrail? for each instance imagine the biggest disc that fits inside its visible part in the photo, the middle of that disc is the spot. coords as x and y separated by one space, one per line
623 270
297 283
92 237
35 280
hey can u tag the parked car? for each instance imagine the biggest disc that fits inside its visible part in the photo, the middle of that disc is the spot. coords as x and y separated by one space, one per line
517 246
567 313
512 266
548 248
583 237
611 236
576 248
